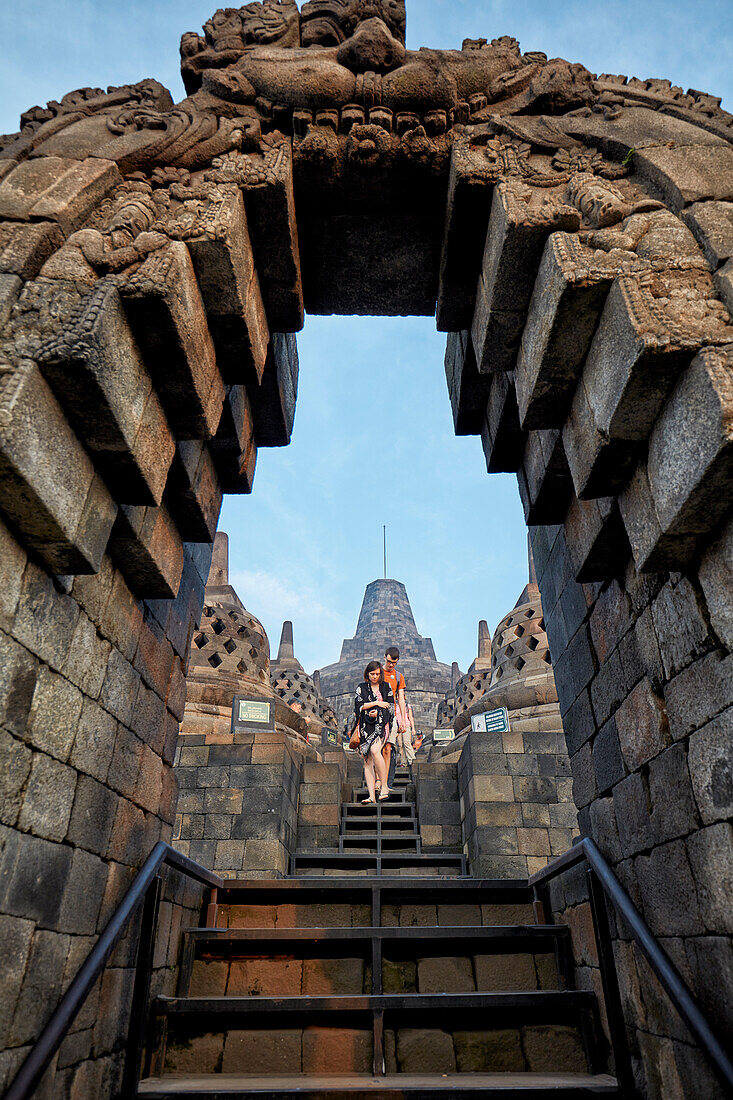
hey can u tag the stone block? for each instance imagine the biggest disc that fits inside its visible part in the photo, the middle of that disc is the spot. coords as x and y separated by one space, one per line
535 789
18 673
652 549
585 789
168 320
500 973
634 361
533 842
667 887
553 1049
84 894
25 248
633 815
51 514
319 815
262 1053
128 841
496 1051
126 761
42 985
225 271
710 852
674 812
468 390
194 495
16 937
340 1051
567 301
545 485
680 625
227 800
643 725
467 215
698 693
604 829
267 978
331 977
198 1053
502 438
48 798
712 225
399 976
270 205
491 788
425 1051
498 813
716 580
87 658
54 714
688 174
57 190
95 368
265 855
273 404
711 768
120 687
514 244
229 855
690 459
146 547
33 873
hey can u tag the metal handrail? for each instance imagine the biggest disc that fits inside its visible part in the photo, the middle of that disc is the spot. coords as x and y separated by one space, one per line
55 1030
586 850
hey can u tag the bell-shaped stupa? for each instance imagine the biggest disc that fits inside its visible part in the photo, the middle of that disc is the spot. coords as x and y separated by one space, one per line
386 619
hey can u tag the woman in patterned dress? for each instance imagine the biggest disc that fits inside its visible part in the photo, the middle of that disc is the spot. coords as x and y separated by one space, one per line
373 714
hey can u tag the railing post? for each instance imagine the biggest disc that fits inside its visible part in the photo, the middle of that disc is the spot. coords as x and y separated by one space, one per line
609 981
141 990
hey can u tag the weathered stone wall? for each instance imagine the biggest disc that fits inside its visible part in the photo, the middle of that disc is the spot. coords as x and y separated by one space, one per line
91 693
645 683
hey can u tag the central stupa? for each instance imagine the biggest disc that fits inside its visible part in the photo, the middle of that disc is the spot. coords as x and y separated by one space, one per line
386 619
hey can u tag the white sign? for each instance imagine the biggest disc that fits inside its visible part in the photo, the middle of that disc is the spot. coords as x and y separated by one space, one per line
443 735
491 721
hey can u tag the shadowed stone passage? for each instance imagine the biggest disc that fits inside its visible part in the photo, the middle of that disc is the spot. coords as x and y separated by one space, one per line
572 234
386 619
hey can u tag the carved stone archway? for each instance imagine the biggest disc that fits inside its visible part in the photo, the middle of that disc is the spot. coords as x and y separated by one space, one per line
573 235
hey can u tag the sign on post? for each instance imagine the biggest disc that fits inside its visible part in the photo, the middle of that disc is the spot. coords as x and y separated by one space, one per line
491 721
250 713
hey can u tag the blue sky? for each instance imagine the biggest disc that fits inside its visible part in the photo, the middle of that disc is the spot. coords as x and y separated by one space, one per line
309 539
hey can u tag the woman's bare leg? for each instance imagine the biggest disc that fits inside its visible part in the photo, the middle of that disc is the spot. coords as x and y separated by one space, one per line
369 775
380 766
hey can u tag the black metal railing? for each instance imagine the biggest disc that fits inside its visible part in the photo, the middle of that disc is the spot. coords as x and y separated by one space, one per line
602 884
145 891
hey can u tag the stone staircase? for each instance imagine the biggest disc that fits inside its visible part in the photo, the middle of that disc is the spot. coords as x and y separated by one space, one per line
380 839
355 986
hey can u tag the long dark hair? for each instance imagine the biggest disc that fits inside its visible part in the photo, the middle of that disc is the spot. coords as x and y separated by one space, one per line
372 667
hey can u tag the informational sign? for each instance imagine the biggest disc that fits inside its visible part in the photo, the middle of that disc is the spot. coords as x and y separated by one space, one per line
491 721
443 735
313 738
249 713
330 737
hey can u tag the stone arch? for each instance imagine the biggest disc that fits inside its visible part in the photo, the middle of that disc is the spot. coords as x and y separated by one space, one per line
573 236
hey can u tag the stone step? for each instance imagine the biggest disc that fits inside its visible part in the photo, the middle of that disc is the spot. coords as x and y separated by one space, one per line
470 1086
390 900
423 863
378 809
448 1033
268 961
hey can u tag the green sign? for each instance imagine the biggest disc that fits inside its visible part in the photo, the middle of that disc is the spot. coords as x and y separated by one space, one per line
491 721
251 711
330 737
443 735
